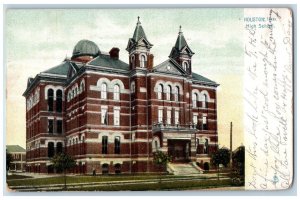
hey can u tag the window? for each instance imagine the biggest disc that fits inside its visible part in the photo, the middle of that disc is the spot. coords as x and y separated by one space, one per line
169 117
176 94
50 99
50 126
82 86
195 119
160 115
159 91
132 87
176 117
205 149
204 123
117 168
58 100
194 99
185 66
116 117
50 149
143 61
104 116
105 169
116 92
117 144
133 61
103 91
204 102
59 126
169 90
59 148
104 144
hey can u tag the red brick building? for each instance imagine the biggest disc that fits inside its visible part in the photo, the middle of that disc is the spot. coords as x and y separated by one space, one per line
112 116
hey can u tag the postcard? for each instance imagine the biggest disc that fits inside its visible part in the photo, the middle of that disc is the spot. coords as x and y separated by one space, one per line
149 99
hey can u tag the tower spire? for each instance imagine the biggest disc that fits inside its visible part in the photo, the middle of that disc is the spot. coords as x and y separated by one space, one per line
180 31
138 22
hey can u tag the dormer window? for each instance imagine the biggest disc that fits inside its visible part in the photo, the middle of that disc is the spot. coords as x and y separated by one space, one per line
143 61
185 66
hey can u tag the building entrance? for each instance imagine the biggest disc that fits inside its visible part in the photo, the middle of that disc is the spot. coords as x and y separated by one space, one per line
179 150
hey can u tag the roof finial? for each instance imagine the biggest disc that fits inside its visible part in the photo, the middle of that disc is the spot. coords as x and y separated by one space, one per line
138 22
180 31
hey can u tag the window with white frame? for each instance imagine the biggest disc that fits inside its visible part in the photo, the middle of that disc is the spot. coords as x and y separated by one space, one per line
204 102
143 61
195 119
194 99
160 115
176 117
176 94
132 87
159 91
103 91
169 90
104 116
116 116
185 66
204 122
116 92
169 117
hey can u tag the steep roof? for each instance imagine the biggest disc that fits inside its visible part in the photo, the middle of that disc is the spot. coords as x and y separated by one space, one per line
14 148
198 77
106 61
181 46
61 69
139 32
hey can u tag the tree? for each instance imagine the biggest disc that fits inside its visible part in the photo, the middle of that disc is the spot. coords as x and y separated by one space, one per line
63 162
238 164
221 156
161 159
8 161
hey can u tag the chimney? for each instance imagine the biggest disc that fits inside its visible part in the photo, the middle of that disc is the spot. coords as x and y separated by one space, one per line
114 53
150 61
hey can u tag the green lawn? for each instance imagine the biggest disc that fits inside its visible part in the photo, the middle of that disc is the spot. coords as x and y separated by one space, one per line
80 179
16 176
201 184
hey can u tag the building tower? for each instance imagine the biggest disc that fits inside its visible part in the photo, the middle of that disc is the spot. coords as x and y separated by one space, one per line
182 53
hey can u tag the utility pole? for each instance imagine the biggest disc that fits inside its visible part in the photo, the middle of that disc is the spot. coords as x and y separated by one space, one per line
231 145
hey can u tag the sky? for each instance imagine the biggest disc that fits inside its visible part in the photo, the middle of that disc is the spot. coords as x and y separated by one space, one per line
36 40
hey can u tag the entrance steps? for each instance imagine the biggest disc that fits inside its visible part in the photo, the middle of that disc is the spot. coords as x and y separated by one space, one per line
185 169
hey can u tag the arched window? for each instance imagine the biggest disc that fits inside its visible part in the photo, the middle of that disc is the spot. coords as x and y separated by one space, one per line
59 148
176 94
118 168
169 91
51 149
104 144
132 87
205 149
194 99
50 99
117 145
185 66
132 61
116 92
58 100
82 86
143 61
105 168
204 102
159 91
103 91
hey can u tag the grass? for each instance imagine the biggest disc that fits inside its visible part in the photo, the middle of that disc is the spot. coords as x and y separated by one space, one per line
80 179
200 184
16 176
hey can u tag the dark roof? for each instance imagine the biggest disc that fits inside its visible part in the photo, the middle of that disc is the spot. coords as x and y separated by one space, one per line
180 42
14 148
106 61
85 48
180 46
61 69
138 32
202 78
